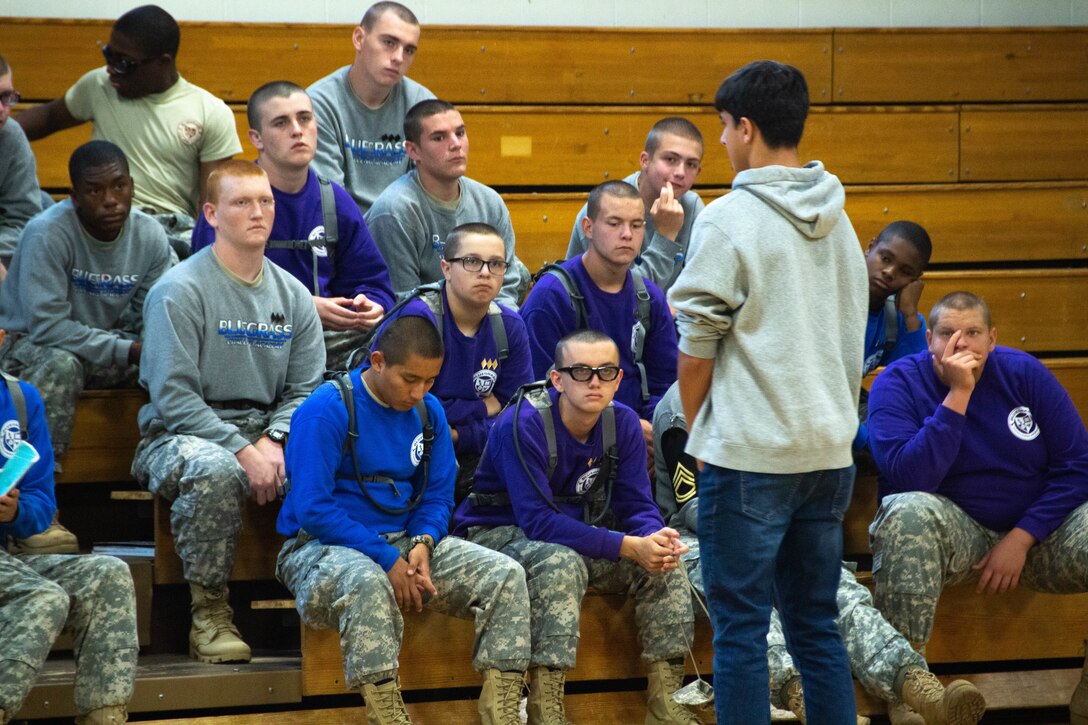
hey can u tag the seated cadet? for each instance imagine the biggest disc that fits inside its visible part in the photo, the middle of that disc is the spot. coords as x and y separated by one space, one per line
233 346
367 519
983 464
360 108
880 658
73 302
487 348
172 132
20 197
615 300
319 235
562 488
895 259
414 215
668 167
90 597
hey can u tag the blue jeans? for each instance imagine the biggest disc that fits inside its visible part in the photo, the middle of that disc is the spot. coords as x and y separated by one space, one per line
765 536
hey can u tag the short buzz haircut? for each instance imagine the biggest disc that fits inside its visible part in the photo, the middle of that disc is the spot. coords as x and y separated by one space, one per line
677 126
261 96
772 95
961 302
413 120
588 336
409 335
375 11
151 28
232 169
452 247
4 67
620 189
911 233
93 155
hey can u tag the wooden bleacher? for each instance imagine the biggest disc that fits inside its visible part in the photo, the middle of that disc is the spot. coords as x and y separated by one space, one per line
979 134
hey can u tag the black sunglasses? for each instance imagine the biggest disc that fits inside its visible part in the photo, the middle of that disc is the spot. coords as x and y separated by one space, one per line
120 64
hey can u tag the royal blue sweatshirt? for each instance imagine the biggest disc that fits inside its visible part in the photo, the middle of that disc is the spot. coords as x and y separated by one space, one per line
36 500
324 497
577 467
359 266
1018 458
549 317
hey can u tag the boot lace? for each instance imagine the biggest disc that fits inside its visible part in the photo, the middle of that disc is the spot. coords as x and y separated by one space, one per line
552 704
926 684
509 693
390 707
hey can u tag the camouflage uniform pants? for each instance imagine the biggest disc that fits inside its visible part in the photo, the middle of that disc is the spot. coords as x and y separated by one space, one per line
876 650
207 489
337 587
90 597
922 542
60 376
338 345
557 577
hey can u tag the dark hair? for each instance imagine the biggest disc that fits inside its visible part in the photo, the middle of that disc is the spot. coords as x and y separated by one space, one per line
4 67
375 11
452 248
413 120
675 125
409 335
961 302
620 189
151 28
93 155
772 95
912 233
274 89
587 336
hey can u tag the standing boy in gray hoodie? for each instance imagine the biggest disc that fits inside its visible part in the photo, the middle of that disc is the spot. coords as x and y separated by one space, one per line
771 311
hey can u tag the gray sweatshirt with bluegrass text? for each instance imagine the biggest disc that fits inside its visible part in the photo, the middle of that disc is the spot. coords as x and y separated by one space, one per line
216 348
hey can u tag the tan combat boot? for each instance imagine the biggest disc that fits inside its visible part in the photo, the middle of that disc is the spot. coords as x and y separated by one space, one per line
545 705
1078 705
213 638
958 704
666 678
102 716
899 713
384 705
795 701
54 540
500 697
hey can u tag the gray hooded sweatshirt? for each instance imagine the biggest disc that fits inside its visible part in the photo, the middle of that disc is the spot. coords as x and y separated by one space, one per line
775 292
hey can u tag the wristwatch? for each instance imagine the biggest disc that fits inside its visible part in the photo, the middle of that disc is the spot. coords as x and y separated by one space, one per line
276 436
424 539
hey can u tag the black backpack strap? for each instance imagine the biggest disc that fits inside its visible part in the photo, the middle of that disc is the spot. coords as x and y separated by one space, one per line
891 326
641 331
18 399
332 232
577 299
498 331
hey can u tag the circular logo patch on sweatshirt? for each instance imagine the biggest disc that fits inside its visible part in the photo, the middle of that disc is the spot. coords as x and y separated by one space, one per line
417 450
1022 425
9 438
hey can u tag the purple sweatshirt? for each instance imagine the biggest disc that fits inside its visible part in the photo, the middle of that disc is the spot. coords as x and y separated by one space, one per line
549 317
360 267
1019 458
471 371
578 465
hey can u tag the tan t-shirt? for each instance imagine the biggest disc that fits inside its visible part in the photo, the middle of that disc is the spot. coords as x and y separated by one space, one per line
165 136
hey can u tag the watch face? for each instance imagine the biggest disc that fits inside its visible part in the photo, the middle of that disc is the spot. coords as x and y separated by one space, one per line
277 436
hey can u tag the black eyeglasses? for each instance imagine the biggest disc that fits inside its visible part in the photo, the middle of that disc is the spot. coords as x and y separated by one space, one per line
475 264
584 373
120 64
10 98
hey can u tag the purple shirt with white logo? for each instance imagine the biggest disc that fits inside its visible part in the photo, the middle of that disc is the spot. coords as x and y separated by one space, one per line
1018 458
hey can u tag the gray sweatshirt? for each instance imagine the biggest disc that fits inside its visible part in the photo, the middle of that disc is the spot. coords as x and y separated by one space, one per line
775 291
68 290
361 148
20 197
410 228
662 258
216 349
